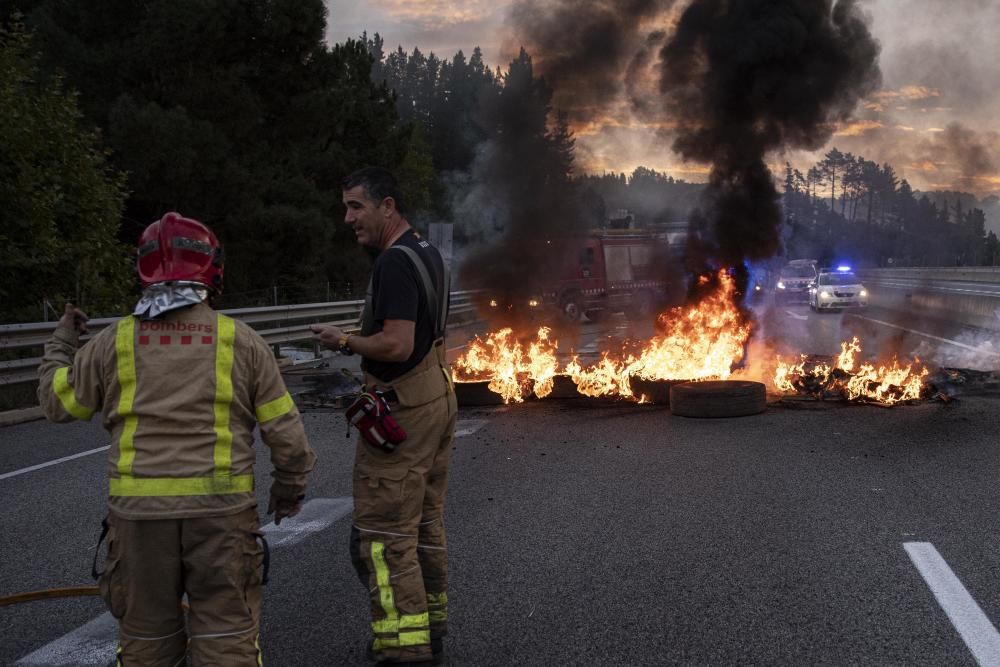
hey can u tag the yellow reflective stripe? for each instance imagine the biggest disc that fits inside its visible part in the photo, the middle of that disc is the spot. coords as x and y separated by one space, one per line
382 578
274 409
407 630
405 622
180 486
125 353
223 453
411 638
67 395
437 605
260 654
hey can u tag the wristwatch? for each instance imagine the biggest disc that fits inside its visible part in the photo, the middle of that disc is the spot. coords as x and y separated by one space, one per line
342 345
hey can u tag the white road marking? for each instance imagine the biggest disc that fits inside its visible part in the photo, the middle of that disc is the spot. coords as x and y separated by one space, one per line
95 642
316 515
965 614
796 315
22 471
588 348
926 335
90 644
465 427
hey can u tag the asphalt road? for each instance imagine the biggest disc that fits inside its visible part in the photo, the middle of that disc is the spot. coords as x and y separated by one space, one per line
603 533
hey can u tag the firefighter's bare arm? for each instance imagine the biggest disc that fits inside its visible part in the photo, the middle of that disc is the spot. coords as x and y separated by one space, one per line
394 343
69 378
282 431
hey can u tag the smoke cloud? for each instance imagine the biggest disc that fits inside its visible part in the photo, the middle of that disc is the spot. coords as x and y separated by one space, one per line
969 150
582 47
746 78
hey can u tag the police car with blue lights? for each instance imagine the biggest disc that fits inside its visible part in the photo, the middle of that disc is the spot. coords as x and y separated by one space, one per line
837 288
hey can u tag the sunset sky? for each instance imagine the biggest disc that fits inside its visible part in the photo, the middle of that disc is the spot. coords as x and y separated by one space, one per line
936 118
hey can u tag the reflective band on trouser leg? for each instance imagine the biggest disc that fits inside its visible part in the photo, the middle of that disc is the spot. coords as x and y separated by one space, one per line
125 354
118 657
437 607
260 654
67 396
274 409
223 455
394 630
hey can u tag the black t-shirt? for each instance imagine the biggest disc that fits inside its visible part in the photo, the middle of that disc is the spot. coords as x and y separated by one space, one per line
398 294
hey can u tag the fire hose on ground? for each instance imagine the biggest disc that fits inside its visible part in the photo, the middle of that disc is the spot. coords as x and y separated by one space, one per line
48 594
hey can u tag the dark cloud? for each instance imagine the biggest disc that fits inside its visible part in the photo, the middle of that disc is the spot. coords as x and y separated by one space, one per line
583 47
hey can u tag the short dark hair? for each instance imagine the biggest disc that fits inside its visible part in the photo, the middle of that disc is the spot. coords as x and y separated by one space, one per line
378 183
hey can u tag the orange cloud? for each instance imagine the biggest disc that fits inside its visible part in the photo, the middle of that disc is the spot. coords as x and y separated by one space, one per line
436 14
857 128
880 101
599 125
925 166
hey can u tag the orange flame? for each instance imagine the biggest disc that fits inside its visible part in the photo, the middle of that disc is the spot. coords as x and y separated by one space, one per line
513 370
701 342
884 384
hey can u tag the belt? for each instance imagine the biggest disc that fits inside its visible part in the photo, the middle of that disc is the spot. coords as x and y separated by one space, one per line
389 396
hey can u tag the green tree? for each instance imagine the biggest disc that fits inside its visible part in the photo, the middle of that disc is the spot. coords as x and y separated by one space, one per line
236 113
60 202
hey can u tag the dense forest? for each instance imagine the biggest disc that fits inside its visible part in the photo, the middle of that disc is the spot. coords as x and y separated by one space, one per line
241 115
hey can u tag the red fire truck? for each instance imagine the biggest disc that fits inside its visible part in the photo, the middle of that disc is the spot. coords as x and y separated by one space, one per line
608 271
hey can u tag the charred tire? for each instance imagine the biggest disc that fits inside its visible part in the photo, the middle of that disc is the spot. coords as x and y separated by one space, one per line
569 305
597 315
720 398
476 394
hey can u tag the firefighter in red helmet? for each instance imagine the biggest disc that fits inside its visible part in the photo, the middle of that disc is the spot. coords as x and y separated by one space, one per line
181 387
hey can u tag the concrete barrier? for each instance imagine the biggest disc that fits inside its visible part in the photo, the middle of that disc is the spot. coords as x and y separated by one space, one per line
965 295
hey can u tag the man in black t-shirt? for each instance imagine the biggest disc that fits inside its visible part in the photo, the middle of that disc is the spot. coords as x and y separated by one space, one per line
398 543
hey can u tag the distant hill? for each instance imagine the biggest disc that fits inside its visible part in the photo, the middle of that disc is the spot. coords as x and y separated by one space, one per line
990 205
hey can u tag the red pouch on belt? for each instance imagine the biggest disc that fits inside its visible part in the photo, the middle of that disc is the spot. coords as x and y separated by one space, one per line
370 415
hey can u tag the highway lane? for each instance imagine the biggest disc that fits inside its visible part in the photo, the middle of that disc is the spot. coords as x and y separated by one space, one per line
604 533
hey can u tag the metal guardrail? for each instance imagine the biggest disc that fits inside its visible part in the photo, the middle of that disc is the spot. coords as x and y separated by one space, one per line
972 274
278 324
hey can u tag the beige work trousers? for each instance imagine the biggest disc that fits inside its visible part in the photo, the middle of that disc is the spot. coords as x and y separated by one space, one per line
152 563
398 542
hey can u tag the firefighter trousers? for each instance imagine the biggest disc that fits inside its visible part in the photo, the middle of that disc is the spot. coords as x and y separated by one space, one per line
152 563
398 542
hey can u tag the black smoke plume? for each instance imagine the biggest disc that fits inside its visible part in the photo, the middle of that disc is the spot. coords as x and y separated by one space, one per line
582 47
743 78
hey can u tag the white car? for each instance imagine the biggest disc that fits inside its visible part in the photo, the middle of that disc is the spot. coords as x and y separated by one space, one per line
836 289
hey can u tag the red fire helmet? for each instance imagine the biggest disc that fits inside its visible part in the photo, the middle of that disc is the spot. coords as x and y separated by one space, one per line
176 248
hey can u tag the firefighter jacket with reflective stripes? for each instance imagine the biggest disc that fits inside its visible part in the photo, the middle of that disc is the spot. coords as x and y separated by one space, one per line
180 395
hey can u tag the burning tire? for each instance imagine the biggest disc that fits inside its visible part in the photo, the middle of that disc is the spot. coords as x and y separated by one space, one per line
654 391
720 398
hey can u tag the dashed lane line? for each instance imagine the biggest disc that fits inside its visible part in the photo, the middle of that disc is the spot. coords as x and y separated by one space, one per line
976 630
316 515
15 473
796 315
926 335
90 644
95 642
464 427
